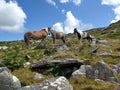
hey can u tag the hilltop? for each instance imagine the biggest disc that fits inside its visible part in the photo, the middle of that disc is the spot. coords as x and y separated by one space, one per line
106 46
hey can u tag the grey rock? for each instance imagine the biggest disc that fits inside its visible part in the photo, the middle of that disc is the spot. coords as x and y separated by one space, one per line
40 46
104 54
65 66
58 83
93 50
102 41
79 72
39 76
62 47
98 71
101 71
3 47
8 81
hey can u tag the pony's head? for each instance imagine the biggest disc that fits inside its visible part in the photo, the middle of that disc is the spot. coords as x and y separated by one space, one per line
75 30
50 30
47 29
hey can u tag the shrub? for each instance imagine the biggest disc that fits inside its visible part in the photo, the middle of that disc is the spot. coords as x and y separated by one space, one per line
14 59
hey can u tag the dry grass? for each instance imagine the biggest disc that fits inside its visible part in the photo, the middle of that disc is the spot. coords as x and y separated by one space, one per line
83 83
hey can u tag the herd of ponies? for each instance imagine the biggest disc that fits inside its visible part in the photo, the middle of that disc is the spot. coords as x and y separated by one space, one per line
43 33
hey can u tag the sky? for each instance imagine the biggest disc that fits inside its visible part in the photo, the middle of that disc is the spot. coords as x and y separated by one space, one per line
20 16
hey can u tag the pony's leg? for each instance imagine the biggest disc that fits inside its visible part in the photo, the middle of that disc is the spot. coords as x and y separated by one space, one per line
63 39
26 39
53 40
89 39
81 40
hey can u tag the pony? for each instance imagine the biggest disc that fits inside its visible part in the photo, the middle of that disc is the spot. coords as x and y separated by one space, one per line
82 35
57 35
35 35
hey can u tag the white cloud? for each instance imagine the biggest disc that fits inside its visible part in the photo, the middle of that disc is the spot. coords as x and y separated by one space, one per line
77 2
58 26
116 8
111 2
70 23
52 2
64 1
117 13
12 17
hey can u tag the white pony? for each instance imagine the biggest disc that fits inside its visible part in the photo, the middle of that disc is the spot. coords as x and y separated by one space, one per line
82 35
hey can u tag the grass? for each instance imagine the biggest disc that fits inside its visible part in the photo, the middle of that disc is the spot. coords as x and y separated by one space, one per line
83 83
26 76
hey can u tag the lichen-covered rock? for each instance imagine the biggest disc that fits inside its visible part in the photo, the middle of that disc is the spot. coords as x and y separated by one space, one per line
8 81
58 83
98 71
101 71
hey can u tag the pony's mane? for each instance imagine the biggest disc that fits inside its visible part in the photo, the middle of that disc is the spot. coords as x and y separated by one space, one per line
79 31
45 29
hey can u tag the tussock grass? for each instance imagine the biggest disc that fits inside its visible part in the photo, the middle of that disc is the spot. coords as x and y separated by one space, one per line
83 83
26 76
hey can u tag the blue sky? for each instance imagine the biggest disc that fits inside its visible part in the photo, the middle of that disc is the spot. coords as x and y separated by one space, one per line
20 16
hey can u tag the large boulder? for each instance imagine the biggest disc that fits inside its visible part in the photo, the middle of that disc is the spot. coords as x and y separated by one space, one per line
101 71
58 83
98 71
8 81
80 72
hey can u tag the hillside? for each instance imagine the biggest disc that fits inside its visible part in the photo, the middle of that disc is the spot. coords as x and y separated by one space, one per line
13 55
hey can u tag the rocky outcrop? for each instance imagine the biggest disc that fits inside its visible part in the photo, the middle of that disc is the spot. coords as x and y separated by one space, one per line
66 65
8 81
58 83
99 71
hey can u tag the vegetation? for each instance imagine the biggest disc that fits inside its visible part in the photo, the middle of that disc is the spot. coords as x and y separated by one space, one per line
14 57
83 83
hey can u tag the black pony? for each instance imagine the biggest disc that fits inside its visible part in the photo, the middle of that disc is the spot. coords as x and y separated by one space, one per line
82 35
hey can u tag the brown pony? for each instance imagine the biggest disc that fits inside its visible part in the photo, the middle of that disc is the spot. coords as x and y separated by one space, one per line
35 35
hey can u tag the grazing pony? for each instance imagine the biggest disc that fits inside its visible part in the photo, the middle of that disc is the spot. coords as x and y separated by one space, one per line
57 35
35 35
82 35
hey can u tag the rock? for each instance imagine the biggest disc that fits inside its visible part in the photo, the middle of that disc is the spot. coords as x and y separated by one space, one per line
27 58
39 76
40 46
26 64
116 67
4 69
104 54
102 41
58 83
8 81
101 71
93 50
79 72
3 47
62 47
104 32
50 51
113 31
66 65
